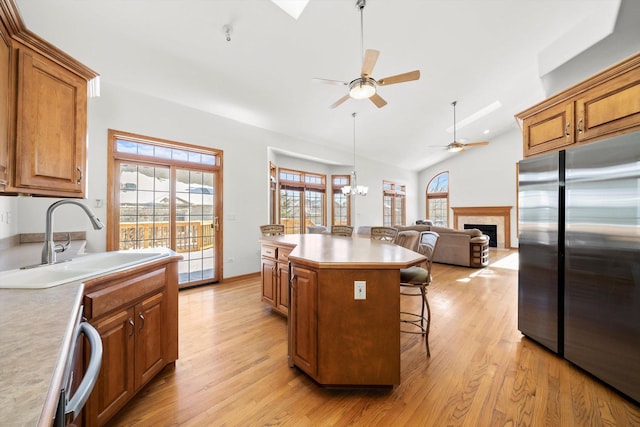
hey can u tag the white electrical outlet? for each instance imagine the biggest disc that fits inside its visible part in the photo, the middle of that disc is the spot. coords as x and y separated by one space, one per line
359 289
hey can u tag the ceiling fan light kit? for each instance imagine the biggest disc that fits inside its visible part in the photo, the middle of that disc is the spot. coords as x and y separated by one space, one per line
362 88
457 146
365 87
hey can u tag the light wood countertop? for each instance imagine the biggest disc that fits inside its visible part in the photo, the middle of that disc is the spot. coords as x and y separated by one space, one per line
326 251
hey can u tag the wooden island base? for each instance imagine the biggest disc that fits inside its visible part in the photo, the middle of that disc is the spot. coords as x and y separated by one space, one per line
334 338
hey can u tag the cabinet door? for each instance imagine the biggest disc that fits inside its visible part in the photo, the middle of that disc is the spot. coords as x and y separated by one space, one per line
303 321
283 288
548 130
5 99
269 281
610 108
51 127
150 345
115 383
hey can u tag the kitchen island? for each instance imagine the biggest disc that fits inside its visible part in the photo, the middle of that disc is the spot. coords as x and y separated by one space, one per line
344 307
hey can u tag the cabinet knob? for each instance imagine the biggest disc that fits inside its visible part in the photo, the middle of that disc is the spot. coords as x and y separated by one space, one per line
142 324
132 327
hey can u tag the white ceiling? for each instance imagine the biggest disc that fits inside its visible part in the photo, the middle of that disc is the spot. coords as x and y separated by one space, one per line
473 51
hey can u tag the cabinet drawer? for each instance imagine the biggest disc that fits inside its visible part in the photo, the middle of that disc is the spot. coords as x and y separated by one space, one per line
283 255
122 292
269 252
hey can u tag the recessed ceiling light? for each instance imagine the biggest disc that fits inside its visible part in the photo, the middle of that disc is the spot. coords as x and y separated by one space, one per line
292 7
486 131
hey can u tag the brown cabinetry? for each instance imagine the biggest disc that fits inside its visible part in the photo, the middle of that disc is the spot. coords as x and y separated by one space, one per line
606 104
43 130
135 313
5 118
303 321
275 277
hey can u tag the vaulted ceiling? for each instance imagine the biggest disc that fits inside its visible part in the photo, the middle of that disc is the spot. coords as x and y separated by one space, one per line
475 52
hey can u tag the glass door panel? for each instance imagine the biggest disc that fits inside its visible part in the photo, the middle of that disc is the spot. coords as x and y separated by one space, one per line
195 205
144 207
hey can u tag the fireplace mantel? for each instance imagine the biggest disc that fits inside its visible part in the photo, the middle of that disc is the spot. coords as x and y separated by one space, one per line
493 211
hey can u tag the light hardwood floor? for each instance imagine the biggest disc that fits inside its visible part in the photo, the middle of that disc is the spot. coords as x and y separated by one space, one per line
233 370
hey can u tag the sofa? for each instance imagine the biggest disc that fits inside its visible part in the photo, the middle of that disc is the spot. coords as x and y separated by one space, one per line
467 248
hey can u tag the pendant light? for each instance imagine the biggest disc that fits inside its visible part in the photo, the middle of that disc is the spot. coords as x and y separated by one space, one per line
354 189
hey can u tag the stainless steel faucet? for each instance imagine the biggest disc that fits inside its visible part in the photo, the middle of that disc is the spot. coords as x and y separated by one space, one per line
50 249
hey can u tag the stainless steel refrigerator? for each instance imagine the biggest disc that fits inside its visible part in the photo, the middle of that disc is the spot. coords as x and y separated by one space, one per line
539 283
593 241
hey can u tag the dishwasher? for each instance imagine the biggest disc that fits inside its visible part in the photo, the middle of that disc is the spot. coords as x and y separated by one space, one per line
75 391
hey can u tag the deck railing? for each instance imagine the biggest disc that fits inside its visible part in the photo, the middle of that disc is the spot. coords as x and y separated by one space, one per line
190 235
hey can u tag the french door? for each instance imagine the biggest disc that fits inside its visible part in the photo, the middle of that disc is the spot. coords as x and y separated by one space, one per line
166 199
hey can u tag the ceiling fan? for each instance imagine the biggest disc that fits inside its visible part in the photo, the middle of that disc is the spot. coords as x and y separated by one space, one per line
456 145
366 86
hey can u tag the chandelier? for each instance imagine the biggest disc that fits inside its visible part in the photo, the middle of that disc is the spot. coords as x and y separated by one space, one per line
354 188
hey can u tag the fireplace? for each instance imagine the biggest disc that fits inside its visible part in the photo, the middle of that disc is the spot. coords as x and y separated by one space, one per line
500 216
490 230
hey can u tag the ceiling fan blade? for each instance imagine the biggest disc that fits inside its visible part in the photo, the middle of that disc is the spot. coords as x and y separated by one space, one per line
369 61
339 101
377 99
471 144
328 81
400 78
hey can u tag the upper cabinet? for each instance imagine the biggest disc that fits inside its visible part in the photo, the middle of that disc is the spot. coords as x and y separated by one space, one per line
43 149
604 105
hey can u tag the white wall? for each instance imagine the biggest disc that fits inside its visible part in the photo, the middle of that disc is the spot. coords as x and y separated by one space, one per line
481 176
8 217
245 174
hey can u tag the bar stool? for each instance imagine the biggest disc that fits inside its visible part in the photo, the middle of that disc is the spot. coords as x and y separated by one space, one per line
414 282
385 234
272 230
342 230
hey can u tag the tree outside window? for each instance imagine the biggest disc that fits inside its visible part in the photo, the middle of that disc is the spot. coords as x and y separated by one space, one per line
302 200
341 206
438 199
394 211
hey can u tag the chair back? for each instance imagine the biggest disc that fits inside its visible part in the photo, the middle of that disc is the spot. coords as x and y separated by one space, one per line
385 234
272 230
342 230
408 239
427 246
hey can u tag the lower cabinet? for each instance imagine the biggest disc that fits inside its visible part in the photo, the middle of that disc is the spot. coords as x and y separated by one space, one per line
303 322
136 316
275 277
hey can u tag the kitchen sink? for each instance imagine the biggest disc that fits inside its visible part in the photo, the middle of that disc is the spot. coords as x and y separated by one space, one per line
48 276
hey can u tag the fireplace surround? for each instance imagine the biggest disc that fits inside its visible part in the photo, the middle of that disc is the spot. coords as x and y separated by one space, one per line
490 215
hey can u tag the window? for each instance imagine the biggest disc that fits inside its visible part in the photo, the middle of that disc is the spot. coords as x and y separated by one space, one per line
302 200
394 210
438 199
166 194
341 206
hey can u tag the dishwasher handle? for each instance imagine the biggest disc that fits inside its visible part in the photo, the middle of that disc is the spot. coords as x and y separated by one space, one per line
77 402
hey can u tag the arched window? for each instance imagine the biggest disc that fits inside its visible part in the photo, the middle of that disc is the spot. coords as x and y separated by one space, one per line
438 199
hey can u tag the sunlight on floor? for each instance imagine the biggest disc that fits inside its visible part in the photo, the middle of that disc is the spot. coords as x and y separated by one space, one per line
510 262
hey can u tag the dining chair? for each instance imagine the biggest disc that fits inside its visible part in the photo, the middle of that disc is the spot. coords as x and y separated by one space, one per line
386 234
272 230
342 230
414 282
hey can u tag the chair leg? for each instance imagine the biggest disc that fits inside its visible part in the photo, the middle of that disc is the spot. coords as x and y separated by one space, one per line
426 329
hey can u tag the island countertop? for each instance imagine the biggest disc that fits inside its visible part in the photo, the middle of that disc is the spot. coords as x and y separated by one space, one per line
322 251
